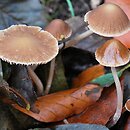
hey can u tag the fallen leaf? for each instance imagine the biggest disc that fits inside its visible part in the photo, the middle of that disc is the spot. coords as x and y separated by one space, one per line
100 112
127 125
88 75
60 105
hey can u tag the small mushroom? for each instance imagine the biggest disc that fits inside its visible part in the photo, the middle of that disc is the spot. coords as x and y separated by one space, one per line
27 45
108 20
127 105
113 54
60 30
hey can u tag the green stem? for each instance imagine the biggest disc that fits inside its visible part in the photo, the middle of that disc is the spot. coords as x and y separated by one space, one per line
70 7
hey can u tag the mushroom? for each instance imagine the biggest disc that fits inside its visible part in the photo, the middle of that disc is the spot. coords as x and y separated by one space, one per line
27 45
60 30
108 20
114 54
127 105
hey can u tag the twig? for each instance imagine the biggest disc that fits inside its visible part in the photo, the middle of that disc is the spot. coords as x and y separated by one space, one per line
50 77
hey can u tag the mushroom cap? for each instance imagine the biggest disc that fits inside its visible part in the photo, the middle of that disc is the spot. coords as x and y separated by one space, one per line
112 54
108 20
127 105
59 29
27 45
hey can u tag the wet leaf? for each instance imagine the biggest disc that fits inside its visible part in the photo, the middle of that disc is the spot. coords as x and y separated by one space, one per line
80 127
60 105
88 75
100 112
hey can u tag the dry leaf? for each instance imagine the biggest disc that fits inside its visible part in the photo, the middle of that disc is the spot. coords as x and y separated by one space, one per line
60 105
88 75
101 111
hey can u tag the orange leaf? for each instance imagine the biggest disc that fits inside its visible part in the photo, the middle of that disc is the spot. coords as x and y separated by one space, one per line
100 112
60 105
88 75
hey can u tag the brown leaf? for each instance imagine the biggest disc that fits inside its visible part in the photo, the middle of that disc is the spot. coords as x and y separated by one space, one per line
60 105
127 125
88 75
100 112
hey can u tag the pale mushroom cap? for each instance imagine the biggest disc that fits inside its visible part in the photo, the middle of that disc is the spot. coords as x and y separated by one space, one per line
59 29
28 45
112 53
108 20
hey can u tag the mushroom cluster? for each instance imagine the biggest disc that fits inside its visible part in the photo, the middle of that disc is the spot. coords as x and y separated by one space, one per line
60 30
109 20
27 45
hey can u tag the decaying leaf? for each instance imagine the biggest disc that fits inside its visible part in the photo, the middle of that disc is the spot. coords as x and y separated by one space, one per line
60 105
88 75
100 112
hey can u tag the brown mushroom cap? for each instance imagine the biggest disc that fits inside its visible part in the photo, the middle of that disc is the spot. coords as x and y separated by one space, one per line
108 20
113 54
21 44
127 105
59 29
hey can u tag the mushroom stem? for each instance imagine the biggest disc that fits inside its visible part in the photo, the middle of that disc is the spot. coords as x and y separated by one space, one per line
76 39
50 77
119 98
36 80
1 72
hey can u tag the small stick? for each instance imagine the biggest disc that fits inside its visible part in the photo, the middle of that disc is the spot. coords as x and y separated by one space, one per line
50 77
36 80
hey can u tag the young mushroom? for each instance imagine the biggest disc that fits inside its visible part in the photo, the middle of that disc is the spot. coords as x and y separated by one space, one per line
127 105
60 30
114 54
27 45
108 20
